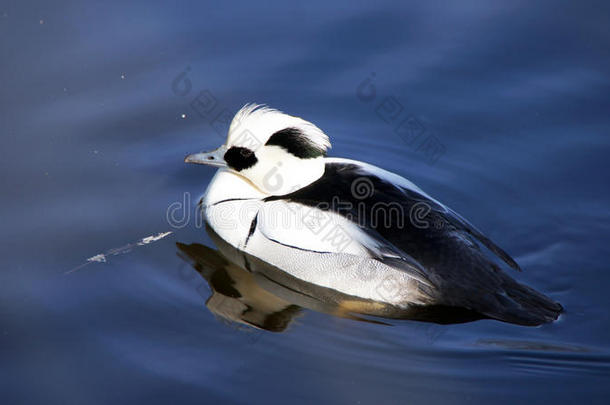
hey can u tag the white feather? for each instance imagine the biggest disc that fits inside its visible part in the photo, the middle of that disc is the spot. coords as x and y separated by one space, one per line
256 123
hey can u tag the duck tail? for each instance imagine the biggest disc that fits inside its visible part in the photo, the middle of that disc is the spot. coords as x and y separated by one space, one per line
523 305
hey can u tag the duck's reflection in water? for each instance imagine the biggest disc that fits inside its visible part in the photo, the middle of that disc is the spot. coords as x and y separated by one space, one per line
252 292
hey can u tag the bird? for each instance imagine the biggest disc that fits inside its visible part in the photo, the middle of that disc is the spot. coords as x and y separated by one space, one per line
353 227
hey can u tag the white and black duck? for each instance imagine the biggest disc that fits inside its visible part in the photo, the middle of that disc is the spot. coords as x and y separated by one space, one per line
352 227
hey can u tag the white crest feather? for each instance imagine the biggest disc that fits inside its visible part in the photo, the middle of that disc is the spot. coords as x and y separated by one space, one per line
254 124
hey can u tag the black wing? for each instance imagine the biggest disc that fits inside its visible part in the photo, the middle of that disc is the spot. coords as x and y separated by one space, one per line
406 218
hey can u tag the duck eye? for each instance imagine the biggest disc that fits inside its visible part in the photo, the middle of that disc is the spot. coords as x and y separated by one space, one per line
239 158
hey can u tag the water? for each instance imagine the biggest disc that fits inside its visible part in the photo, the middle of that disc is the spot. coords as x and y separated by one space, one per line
512 97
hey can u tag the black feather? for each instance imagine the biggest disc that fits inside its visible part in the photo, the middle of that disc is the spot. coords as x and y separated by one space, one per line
240 158
296 143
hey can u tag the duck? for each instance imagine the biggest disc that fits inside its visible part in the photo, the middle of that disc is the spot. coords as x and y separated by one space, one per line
352 227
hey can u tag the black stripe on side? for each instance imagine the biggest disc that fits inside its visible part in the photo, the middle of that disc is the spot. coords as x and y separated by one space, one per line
252 229
228 200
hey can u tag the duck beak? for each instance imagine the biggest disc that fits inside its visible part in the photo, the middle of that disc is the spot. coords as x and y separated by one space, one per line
212 158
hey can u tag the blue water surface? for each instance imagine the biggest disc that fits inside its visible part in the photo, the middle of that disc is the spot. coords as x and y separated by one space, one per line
499 109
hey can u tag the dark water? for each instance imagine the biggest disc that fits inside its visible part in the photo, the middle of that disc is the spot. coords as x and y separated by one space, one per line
507 114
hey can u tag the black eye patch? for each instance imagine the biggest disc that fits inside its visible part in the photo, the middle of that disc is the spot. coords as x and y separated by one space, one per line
240 158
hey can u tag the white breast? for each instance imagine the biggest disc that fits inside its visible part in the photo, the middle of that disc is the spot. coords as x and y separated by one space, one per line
229 205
